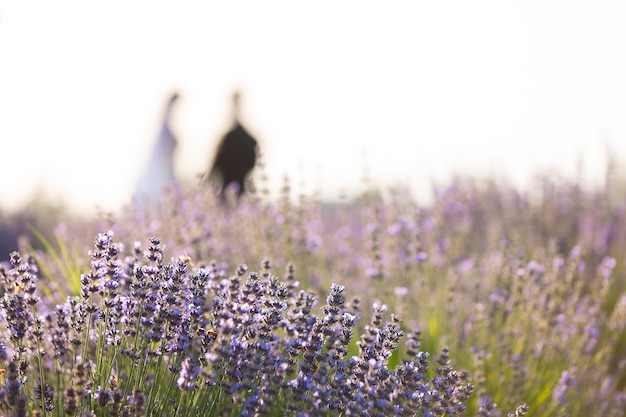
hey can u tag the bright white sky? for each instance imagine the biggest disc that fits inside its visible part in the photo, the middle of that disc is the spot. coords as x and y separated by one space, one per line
410 90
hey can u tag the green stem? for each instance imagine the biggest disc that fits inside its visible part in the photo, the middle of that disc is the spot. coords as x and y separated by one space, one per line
42 384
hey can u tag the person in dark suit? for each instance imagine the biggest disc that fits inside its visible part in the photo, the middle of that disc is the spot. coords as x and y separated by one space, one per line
235 157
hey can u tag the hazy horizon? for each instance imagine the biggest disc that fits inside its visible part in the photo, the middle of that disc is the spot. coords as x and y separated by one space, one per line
409 92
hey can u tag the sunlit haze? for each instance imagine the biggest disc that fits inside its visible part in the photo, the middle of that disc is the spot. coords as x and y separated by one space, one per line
402 92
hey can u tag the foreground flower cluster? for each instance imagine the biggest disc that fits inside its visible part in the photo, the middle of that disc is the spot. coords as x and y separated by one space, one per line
150 337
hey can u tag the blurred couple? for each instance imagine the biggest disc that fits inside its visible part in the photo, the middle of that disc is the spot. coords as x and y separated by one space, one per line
233 162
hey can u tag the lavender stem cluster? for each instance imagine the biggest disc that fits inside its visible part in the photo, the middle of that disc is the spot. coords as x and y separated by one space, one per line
150 337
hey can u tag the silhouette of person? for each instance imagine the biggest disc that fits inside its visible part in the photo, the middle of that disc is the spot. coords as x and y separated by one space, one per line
159 170
235 157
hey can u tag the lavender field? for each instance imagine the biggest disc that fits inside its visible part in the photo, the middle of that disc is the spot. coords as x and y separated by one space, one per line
487 302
